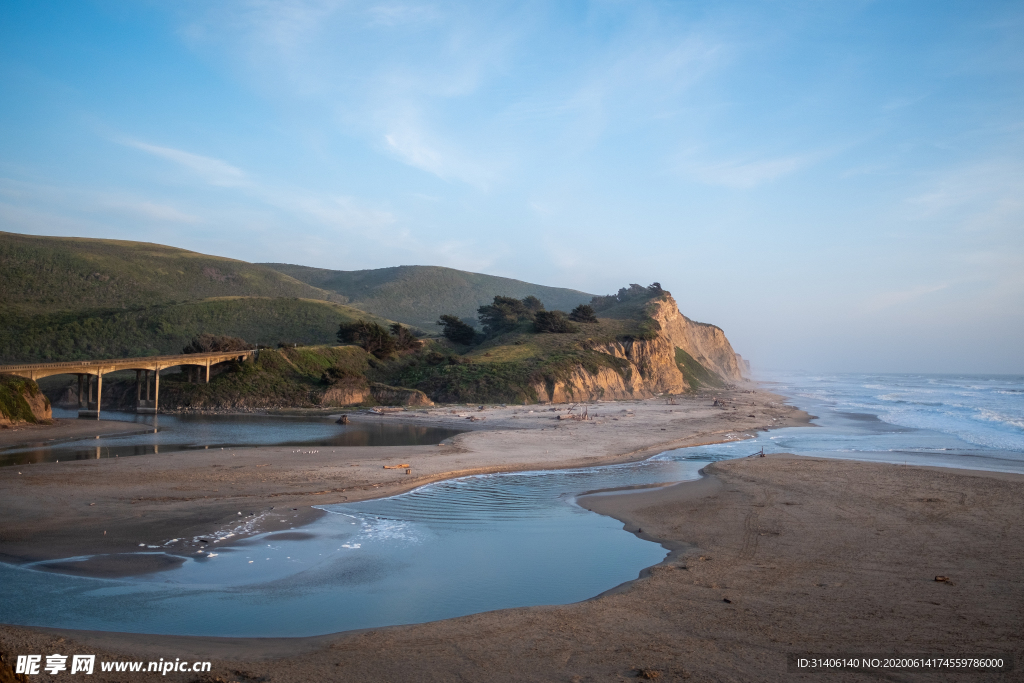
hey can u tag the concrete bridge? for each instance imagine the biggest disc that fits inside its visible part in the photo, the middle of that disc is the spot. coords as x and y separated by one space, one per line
90 372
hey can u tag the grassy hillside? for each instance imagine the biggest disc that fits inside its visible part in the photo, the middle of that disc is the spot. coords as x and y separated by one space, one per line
417 295
151 330
279 377
49 274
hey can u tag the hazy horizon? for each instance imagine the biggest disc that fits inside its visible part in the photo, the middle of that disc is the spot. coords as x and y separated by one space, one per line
837 185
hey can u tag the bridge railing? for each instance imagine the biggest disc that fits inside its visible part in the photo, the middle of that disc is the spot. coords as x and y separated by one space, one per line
167 361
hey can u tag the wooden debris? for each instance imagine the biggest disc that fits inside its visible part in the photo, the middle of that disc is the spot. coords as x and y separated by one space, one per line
397 467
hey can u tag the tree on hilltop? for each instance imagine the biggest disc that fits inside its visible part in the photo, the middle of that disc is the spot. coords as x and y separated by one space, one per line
553 321
505 313
456 330
583 314
373 338
405 339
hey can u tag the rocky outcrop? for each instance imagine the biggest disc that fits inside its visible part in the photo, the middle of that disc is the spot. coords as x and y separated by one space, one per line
398 396
346 393
21 401
650 366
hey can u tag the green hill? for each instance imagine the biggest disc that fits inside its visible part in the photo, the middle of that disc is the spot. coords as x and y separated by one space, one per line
417 295
166 328
50 274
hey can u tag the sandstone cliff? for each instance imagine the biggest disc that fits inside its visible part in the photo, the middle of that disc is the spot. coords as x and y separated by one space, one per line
653 366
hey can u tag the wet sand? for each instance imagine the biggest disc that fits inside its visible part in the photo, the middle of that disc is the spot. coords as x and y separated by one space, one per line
172 502
64 429
771 556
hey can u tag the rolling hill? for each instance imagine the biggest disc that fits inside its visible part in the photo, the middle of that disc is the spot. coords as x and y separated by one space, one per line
50 274
417 295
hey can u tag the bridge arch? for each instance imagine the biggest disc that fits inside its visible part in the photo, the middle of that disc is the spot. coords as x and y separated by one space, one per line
89 369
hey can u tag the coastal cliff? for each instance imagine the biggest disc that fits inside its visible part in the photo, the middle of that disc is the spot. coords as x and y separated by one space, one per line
681 356
21 401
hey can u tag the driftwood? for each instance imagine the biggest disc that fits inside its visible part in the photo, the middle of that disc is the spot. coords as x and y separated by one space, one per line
397 467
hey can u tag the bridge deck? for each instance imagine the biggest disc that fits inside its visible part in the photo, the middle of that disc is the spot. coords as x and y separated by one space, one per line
105 366
97 368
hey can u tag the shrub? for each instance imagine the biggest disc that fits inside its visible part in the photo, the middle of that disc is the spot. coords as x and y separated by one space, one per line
211 343
456 330
405 340
372 337
583 314
553 321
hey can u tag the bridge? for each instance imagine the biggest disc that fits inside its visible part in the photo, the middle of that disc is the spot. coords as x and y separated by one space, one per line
90 373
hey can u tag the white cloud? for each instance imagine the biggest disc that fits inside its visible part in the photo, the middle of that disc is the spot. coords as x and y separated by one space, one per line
213 171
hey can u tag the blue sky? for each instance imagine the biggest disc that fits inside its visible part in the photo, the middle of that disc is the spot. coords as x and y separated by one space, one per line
839 185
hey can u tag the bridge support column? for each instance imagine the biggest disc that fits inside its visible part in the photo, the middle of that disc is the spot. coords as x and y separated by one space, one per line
91 410
81 390
207 370
145 405
156 391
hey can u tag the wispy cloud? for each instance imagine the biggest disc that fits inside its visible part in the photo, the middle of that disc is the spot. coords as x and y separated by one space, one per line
213 171
746 174
985 195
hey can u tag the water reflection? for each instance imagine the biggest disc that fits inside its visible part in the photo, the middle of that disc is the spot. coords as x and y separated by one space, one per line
170 433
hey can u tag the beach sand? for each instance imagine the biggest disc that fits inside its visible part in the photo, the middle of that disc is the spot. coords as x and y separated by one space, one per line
800 555
111 506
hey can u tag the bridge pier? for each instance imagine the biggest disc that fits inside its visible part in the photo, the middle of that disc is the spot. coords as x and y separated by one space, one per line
91 409
146 406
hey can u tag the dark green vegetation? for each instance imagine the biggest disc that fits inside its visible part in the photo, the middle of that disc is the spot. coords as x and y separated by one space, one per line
13 405
213 343
376 339
418 295
505 313
696 375
553 321
456 330
584 313
166 329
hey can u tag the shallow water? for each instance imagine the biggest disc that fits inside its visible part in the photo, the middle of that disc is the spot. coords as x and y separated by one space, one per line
444 550
967 421
170 433
508 540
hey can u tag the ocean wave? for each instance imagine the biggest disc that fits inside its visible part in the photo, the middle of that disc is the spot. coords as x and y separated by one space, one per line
993 416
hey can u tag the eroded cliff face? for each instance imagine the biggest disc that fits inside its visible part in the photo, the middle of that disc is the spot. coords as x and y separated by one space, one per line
651 363
706 343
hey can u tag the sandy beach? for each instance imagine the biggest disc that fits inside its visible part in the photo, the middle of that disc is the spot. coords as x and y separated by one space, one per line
119 503
770 556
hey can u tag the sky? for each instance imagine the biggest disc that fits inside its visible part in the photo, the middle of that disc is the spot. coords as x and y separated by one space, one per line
839 185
